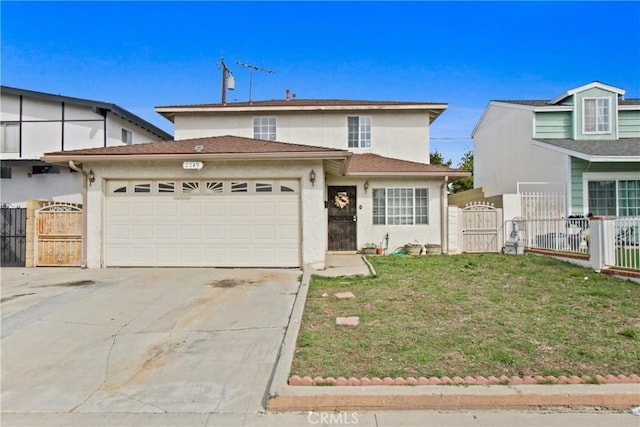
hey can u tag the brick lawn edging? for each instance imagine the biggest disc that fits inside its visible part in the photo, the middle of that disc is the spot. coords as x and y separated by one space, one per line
296 380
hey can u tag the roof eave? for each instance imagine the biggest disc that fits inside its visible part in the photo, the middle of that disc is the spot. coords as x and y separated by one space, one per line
64 159
458 174
584 156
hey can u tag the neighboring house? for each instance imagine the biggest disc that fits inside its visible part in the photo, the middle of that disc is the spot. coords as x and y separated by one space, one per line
267 183
585 142
33 123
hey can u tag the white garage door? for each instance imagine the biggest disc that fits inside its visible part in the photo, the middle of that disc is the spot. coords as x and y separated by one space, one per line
240 223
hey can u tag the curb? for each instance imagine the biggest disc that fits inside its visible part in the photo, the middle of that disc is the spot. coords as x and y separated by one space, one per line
299 398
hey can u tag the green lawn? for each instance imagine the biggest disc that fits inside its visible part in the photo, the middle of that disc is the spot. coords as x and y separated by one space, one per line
471 315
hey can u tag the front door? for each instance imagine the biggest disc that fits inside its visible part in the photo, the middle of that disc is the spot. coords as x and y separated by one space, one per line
342 218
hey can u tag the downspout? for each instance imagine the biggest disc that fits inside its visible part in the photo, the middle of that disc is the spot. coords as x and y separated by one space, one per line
85 179
444 220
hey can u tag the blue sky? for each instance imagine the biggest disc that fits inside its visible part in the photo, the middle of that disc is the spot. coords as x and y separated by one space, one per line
144 54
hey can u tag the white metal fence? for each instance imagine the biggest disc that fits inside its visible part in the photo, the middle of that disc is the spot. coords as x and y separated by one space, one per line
616 242
565 235
621 242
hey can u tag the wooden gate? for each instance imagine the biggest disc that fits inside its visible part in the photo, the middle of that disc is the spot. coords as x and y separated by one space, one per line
59 235
14 237
481 228
342 218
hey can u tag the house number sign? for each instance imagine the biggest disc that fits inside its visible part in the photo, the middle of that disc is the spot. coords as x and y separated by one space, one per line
192 165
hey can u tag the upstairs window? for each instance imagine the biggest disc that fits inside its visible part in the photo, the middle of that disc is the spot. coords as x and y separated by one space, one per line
9 137
359 131
597 115
127 136
264 128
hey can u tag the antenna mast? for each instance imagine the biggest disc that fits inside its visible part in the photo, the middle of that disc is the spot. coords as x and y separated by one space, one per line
252 68
230 84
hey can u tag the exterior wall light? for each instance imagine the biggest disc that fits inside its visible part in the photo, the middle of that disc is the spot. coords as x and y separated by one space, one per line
312 177
366 186
91 176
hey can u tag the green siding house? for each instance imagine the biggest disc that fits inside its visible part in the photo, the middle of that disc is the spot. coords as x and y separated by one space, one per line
585 141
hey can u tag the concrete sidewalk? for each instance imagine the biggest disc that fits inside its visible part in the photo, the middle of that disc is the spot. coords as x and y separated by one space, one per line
283 397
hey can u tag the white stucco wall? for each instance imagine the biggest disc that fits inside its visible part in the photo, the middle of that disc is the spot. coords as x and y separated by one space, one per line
63 187
504 154
401 135
313 230
399 235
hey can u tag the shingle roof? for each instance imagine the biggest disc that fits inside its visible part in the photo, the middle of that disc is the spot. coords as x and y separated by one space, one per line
307 103
200 146
547 102
374 164
624 147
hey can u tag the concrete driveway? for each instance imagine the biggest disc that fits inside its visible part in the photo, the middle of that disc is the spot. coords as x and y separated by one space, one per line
141 340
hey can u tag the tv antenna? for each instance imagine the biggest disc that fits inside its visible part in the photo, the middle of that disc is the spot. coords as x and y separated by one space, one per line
252 68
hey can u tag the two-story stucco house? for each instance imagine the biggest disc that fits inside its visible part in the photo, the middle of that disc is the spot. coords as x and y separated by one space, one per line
33 123
267 183
586 139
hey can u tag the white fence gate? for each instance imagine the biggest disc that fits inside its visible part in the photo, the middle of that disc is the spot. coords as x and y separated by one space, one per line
481 227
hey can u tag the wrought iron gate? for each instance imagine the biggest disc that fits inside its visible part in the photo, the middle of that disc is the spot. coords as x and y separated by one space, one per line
481 228
14 237
59 235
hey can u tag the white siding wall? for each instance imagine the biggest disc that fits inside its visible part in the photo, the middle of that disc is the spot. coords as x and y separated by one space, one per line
504 154
313 220
398 135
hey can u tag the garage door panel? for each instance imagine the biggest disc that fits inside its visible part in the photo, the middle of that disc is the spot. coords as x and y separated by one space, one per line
214 232
142 209
235 230
190 232
142 232
264 232
240 209
167 231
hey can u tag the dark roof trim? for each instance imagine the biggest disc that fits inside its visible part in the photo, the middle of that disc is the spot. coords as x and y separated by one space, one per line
113 108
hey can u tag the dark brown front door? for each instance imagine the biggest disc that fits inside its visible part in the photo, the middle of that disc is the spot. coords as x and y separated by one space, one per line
342 218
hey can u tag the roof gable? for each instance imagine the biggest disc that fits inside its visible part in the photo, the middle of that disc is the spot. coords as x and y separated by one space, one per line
595 84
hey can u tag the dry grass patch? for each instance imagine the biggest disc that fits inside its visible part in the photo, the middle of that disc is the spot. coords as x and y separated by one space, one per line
471 315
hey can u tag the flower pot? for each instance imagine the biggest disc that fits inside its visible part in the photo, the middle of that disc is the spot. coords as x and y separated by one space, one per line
369 251
379 251
413 249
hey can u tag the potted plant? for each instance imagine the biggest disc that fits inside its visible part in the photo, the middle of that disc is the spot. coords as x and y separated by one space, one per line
413 248
369 248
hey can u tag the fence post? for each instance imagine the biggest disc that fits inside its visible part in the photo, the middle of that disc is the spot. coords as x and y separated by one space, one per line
596 238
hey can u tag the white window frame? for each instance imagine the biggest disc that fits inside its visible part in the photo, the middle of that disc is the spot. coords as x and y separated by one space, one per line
127 136
598 116
265 128
604 176
362 136
10 137
403 214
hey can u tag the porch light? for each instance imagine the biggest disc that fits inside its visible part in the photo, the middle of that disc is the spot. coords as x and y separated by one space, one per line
312 177
366 186
91 176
